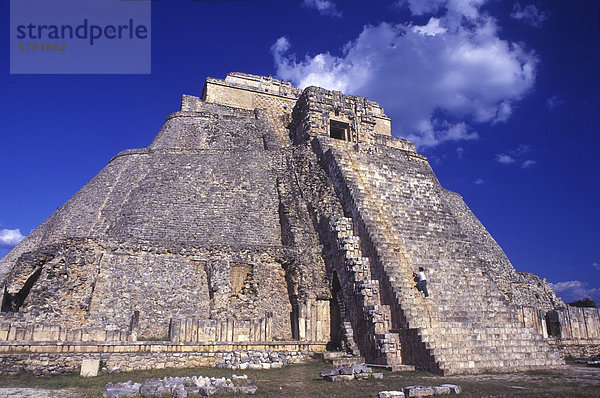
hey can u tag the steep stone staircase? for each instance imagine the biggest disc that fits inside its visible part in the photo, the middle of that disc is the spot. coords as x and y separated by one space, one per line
466 326
365 320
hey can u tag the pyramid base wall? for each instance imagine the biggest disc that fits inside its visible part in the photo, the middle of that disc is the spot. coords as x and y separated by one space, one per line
54 358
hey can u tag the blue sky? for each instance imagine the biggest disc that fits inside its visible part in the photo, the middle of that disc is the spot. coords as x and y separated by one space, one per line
503 97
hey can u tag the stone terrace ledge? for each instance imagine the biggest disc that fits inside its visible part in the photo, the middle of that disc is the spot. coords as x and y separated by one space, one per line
17 347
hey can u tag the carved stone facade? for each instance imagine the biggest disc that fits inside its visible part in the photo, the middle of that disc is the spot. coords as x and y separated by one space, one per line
262 212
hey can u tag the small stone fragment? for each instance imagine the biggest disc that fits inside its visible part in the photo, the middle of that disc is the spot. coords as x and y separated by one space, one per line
454 389
441 390
391 394
332 372
339 378
418 391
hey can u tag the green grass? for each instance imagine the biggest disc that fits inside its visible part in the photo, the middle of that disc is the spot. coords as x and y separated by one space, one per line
304 381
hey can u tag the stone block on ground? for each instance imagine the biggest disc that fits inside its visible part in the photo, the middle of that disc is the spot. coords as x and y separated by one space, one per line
331 372
353 372
361 368
122 390
90 367
419 391
441 390
339 378
391 394
454 389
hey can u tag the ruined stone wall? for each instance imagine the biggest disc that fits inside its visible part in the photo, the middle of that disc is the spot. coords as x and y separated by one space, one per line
232 330
574 331
275 97
160 283
574 323
44 332
50 358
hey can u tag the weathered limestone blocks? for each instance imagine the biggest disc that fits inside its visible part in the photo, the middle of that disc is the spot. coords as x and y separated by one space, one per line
229 330
43 332
53 358
181 387
313 319
351 372
261 359
574 323
574 331
422 391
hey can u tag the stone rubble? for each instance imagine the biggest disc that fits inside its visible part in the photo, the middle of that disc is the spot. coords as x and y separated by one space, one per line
350 372
592 362
421 391
180 387
253 360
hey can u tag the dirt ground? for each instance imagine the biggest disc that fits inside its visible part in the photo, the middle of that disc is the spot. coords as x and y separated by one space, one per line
304 381
36 392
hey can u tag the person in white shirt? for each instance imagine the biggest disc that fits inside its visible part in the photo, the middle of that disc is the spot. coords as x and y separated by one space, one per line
422 282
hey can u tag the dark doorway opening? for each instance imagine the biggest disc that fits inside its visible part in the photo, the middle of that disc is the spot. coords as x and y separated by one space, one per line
338 130
294 315
336 336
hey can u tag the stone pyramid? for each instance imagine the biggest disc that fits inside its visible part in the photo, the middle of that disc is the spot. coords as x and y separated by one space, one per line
260 200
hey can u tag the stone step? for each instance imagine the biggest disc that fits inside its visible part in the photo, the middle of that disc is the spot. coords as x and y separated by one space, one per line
329 355
393 368
478 338
463 367
348 360
517 351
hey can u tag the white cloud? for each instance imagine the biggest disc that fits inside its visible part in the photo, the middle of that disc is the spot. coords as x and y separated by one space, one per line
434 132
575 290
464 72
431 29
528 164
281 46
529 14
325 7
504 158
455 9
479 181
596 265
553 102
460 151
10 237
515 155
